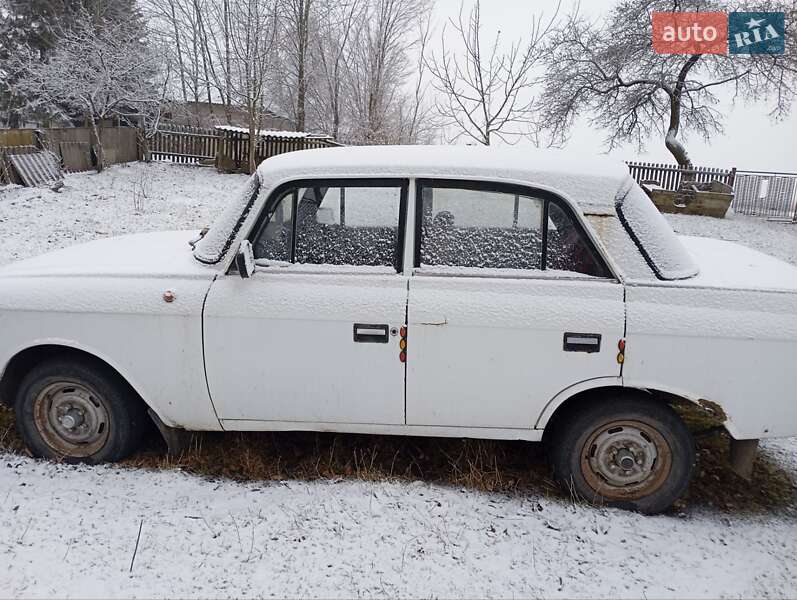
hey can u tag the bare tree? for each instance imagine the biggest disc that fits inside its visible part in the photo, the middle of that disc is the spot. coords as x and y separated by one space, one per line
332 45
415 119
486 92
253 36
101 68
377 65
298 24
611 72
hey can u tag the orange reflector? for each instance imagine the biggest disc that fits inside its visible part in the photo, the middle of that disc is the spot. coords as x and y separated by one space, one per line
621 345
403 356
620 358
403 332
403 344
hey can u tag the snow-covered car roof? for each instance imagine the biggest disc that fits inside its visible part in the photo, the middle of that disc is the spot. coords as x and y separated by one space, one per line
592 182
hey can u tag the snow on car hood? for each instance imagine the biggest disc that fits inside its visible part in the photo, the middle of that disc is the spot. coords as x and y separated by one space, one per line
161 254
730 265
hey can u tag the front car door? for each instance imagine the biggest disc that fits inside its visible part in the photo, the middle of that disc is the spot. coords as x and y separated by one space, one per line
310 337
510 304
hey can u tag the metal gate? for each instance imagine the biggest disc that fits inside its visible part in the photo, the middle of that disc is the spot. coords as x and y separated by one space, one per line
772 195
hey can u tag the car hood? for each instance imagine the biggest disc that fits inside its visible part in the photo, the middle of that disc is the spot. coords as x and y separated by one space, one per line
161 254
730 265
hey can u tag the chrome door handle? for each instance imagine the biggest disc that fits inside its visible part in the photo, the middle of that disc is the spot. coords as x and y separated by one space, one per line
371 334
582 342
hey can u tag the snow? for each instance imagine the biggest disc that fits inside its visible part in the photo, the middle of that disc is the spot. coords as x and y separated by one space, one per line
667 254
273 132
155 254
591 181
70 531
775 238
124 199
732 265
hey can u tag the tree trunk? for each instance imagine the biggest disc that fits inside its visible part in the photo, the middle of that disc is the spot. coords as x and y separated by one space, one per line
252 139
303 37
96 129
671 141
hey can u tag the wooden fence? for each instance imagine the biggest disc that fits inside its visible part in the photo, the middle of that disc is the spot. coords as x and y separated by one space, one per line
227 149
76 146
234 148
669 176
183 144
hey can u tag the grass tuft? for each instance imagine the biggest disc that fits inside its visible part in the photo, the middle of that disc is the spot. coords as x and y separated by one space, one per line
493 466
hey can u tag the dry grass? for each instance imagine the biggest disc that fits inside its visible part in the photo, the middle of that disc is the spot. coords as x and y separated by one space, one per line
507 467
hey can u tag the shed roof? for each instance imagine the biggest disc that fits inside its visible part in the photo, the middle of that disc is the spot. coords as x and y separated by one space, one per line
274 132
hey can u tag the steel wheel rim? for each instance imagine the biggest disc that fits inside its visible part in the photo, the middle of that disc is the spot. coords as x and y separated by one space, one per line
72 418
625 460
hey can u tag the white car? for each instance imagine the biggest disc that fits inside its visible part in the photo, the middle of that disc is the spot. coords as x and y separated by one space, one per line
433 291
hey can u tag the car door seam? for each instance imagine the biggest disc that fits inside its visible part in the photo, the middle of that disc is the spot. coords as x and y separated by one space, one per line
204 353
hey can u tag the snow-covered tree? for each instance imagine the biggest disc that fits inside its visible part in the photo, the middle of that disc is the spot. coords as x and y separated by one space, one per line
610 71
29 30
98 68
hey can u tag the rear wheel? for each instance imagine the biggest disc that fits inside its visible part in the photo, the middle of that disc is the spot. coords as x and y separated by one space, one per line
78 411
630 452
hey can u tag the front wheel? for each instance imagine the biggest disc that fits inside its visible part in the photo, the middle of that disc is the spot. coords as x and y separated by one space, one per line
631 452
78 411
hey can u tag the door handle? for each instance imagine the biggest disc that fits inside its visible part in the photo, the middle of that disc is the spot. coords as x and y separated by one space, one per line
371 334
582 342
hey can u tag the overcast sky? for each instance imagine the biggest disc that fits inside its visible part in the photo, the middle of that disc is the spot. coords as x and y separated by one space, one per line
751 140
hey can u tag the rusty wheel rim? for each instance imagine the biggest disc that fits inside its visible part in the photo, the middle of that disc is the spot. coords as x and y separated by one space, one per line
71 418
625 460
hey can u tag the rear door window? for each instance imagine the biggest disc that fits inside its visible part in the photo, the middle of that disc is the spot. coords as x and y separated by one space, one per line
469 228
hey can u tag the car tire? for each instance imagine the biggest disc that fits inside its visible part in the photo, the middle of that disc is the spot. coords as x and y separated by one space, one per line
630 452
78 411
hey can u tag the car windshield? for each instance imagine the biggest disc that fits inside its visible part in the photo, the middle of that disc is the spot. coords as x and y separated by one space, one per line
654 237
214 244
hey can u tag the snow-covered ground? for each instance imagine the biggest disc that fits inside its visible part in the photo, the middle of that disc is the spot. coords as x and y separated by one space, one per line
72 531
129 198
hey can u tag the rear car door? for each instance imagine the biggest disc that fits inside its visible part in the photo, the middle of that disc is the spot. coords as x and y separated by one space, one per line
311 336
510 304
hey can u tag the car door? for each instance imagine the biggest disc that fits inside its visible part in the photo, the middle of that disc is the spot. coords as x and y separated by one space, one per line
311 337
510 303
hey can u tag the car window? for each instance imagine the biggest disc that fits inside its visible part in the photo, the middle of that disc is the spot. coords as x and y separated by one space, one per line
567 247
332 223
486 229
480 229
654 237
275 241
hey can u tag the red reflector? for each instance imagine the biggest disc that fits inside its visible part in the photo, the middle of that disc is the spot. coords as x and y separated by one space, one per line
403 357
621 345
403 332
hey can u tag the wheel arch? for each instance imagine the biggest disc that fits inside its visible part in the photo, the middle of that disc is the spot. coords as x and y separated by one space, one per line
26 359
592 390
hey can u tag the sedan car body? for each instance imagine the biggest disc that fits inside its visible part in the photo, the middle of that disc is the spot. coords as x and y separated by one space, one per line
441 291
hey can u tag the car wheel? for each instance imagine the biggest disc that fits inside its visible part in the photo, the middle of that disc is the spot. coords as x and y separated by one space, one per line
631 452
78 411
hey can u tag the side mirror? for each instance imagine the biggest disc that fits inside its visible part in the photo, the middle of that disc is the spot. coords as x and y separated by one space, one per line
245 259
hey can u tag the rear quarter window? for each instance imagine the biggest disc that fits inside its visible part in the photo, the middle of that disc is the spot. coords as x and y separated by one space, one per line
657 242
